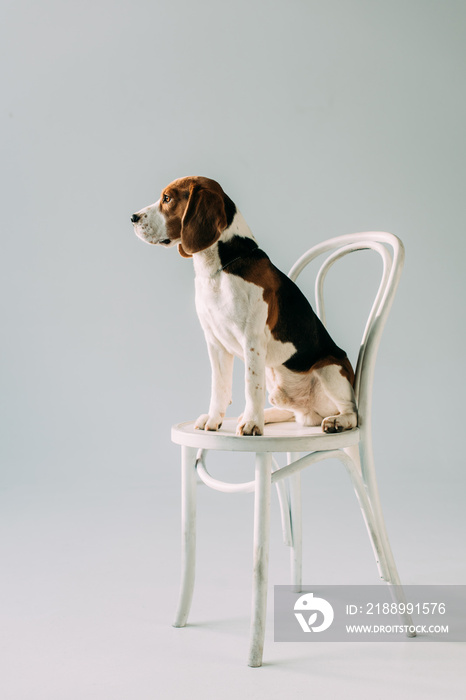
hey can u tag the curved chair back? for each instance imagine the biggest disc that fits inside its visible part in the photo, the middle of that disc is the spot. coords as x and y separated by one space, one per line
391 250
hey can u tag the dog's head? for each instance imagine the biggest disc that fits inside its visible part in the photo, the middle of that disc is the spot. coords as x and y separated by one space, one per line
191 211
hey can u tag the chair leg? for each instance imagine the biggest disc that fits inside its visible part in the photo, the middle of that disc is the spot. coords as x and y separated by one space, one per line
263 472
284 503
390 573
188 533
296 552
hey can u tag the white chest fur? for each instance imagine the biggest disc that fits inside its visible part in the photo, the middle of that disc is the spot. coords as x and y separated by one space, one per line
230 310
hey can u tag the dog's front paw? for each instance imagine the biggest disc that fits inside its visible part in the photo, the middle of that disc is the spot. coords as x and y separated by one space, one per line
249 427
207 422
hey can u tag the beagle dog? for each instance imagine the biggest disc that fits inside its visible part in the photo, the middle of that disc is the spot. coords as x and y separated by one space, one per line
249 309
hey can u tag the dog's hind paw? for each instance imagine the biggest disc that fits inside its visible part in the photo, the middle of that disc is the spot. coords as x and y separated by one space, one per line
336 424
332 425
249 427
207 422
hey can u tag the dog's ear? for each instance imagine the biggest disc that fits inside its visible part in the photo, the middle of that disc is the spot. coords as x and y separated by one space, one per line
182 252
203 221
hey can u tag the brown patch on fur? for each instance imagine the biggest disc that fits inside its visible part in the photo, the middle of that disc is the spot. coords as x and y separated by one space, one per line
346 369
204 219
263 275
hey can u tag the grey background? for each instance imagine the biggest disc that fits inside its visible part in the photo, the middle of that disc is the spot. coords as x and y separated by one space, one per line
318 119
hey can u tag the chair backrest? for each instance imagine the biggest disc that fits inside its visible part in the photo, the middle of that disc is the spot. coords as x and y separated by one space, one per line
381 242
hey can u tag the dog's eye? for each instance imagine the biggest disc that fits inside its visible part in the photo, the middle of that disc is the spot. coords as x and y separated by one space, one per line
166 198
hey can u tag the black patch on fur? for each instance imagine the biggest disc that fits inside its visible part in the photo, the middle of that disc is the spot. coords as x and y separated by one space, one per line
237 247
230 209
298 324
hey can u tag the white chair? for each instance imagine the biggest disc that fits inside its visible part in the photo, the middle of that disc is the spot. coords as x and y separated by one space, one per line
353 448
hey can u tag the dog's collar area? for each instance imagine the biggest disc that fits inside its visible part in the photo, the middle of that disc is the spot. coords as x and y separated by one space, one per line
230 262
226 265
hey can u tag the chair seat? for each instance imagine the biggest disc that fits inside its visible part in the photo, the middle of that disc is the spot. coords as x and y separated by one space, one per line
278 437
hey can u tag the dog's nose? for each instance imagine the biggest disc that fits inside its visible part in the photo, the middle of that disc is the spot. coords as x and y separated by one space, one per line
135 218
